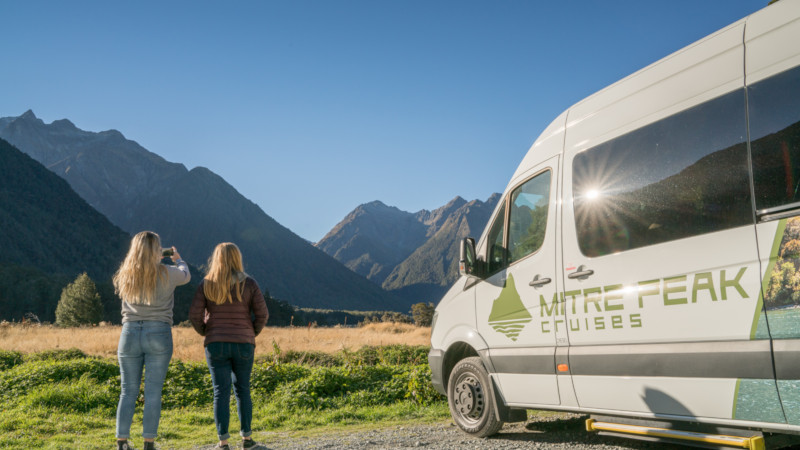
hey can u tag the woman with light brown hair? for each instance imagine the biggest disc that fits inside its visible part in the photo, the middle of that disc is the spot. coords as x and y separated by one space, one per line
229 310
146 287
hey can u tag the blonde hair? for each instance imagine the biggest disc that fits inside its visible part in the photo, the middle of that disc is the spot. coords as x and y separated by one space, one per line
225 262
138 276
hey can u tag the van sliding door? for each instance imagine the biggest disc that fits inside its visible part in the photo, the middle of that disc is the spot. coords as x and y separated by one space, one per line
773 91
661 271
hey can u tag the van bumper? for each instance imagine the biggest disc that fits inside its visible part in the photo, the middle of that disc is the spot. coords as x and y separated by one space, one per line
435 361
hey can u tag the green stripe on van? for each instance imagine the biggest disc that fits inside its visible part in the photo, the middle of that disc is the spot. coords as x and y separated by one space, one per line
773 259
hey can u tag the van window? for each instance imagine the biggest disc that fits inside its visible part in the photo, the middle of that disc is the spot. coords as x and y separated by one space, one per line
774 108
528 216
497 252
678 177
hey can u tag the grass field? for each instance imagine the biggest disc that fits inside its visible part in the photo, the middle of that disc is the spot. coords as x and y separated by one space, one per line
102 340
59 387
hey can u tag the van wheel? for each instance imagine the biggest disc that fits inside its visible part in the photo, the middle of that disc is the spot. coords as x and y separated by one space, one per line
471 399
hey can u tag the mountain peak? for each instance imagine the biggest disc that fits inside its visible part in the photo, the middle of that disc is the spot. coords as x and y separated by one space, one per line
457 200
374 204
373 207
29 117
64 124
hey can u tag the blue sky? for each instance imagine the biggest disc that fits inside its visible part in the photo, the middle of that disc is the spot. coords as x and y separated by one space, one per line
310 108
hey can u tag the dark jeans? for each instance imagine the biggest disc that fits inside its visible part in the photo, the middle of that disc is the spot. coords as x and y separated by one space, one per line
231 362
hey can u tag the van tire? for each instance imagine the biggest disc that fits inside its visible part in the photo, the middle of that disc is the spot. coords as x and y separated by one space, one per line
471 398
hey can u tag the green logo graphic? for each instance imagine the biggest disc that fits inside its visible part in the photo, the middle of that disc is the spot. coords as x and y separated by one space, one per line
508 314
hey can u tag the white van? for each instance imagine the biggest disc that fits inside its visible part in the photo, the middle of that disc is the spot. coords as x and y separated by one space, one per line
643 261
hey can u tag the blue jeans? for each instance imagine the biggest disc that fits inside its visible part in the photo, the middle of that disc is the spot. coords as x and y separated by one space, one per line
231 362
144 345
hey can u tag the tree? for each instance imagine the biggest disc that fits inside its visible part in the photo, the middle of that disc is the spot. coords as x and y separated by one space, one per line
422 314
79 303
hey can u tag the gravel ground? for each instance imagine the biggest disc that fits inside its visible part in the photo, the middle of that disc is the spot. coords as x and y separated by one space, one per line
565 432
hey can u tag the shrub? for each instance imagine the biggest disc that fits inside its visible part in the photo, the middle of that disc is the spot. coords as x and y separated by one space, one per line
79 303
391 355
267 377
24 378
311 358
187 384
422 314
9 359
82 396
327 387
56 355
419 387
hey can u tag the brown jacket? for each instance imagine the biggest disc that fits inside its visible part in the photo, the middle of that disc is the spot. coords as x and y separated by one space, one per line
230 322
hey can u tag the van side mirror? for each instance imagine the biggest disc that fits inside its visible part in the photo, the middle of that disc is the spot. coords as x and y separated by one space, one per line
467 261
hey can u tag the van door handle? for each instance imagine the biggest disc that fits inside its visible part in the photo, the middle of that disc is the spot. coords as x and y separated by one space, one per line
582 272
539 281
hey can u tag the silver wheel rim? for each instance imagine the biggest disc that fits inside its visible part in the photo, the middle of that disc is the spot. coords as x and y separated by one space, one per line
469 398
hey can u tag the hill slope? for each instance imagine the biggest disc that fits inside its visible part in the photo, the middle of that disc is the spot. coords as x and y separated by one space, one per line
47 225
49 235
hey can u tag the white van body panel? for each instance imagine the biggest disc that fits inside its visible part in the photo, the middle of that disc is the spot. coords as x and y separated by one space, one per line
688 327
529 389
457 309
769 37
647 394
699 72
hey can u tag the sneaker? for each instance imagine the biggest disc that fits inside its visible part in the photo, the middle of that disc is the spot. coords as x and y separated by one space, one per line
124 445
149 445
223 447
249 443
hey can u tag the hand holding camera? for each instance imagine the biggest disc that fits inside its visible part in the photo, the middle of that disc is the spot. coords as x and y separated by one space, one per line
170 252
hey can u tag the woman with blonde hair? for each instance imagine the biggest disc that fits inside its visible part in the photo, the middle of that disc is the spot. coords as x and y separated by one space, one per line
229 310
146 287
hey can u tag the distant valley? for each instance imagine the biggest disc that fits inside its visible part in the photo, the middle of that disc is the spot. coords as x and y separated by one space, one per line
414 255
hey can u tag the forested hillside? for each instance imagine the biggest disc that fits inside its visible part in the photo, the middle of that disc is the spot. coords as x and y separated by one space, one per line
49 236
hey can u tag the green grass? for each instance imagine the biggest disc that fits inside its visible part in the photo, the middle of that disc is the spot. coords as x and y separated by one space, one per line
67 399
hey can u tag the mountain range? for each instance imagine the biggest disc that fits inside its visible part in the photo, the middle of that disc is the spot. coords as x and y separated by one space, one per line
414 255
191 209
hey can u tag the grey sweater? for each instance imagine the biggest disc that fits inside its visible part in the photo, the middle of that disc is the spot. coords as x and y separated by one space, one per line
161 308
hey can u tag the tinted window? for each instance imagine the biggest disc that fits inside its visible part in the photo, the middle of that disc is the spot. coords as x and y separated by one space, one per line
528 216
497 252
681 176
774 107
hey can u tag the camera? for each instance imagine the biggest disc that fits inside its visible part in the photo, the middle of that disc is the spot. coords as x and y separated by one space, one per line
166 252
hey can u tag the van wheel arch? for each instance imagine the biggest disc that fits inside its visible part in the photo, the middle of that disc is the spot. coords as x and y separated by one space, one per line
454 354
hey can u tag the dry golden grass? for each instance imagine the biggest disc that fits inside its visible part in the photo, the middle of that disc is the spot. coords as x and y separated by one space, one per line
102 340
